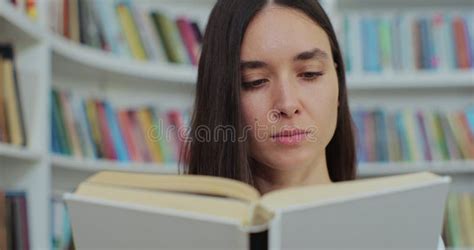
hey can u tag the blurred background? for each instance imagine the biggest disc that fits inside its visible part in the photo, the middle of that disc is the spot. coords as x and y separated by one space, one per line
82 82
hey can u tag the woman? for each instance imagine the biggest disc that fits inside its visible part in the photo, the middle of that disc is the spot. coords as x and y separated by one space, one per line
271 103
271 93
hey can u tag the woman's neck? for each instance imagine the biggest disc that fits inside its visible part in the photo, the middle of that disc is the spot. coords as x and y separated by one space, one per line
267 179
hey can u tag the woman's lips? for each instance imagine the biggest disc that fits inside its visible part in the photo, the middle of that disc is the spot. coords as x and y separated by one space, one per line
290 137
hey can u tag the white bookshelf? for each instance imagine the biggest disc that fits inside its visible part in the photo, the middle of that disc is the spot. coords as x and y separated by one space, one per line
19 153
77 60
93 166
14 21
391 168
46 60
27 168
418 80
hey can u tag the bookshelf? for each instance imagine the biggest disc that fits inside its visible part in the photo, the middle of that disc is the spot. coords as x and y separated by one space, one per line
18 153
27 168
58 62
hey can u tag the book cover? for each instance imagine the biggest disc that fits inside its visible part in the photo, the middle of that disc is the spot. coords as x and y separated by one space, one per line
169 211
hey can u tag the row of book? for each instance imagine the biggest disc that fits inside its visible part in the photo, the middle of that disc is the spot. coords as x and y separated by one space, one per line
61 226
94 129
27 6
12 130
414 135
408 42
459 221
14 229
128 30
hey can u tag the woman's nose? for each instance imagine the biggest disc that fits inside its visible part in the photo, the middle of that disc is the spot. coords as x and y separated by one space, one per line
287 101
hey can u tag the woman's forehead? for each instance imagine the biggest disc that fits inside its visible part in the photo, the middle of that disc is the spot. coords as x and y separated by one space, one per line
282 30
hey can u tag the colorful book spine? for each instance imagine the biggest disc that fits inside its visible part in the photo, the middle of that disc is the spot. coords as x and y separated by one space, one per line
409 41
109 148
130 30
118 142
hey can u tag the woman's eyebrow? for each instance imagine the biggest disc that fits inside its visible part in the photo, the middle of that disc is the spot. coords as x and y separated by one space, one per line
252 65
315 54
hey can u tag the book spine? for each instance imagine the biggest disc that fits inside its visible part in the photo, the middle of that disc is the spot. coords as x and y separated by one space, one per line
461 45
127 131
93 120
130 31
121 152
64 143
385 38
23 216
71 129
108 145
188 38
161 135
73 20
3 115
454 151
440 43
88 147
140 136
146 125
12 102
3 221
440 136
149 45
164 28
423 136
110 26
155 42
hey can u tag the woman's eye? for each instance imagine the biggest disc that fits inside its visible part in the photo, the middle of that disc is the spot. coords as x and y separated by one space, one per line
310 75
253 84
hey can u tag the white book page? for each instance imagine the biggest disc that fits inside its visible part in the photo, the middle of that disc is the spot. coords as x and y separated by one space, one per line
407 219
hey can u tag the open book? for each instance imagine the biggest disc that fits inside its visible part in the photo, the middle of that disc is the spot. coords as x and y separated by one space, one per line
137 211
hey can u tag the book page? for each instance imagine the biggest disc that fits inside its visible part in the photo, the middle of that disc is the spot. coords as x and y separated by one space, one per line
108 225
179 183
403 219
319 193
231 209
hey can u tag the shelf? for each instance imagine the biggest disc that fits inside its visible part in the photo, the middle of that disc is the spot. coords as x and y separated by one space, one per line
71 58
69 163
18 153
17 24
452 80
392 168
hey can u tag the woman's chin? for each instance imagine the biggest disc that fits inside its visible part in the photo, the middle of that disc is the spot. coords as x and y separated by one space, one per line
291 162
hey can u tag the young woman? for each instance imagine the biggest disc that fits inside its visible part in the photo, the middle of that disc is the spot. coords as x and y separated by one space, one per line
271 103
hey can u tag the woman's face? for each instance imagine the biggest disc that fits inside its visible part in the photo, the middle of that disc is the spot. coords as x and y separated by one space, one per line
289 94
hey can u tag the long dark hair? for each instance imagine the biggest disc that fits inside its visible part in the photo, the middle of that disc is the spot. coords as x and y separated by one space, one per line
217 102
